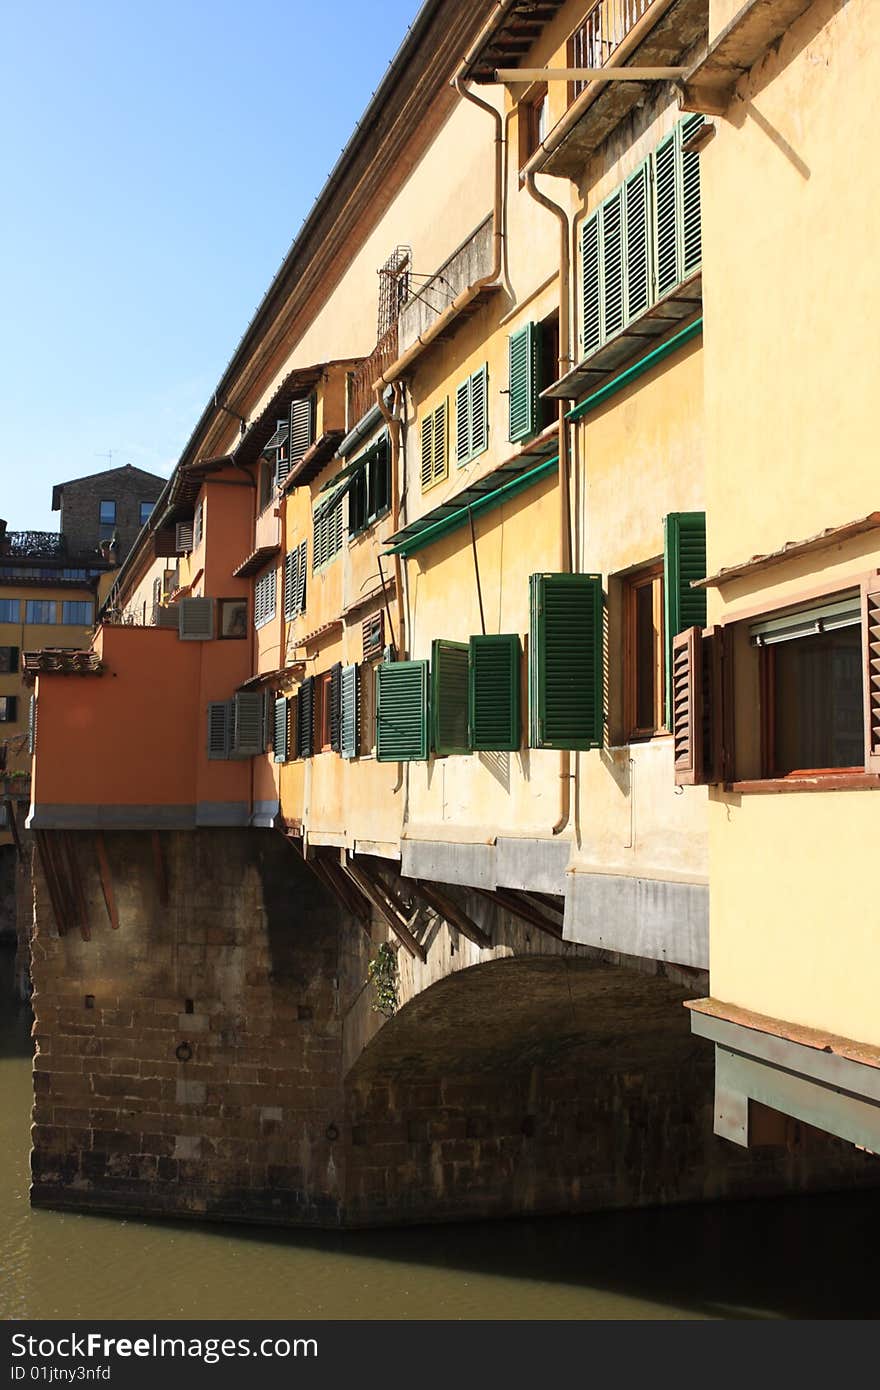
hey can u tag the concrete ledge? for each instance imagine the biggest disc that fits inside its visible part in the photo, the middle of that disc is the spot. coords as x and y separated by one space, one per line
535 866
221 813
445 862
649 917
265 814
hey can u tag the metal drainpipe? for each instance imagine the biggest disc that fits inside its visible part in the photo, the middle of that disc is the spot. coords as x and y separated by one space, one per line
392 420
565 545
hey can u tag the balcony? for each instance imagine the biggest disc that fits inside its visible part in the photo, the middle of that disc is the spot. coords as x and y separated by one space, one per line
361 396
640 33
34 545
429 296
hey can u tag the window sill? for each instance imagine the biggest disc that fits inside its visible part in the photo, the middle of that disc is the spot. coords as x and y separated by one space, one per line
822 782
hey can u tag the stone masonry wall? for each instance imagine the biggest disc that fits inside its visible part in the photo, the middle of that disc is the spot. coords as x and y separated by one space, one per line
81 499
188 1063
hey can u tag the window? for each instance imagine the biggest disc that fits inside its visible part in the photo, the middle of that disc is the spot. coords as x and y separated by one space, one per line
324 712
10 610
78 574
301 435
267 483
471 417
327 541
800 704
644 686
533 122
233 617
8 709
8 661
369 494
37 610
81 614
295 581
106 520
264 599
643 240
435 442
199 524
145 511
367 743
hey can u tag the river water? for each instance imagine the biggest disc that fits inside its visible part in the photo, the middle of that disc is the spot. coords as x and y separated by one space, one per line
793 1258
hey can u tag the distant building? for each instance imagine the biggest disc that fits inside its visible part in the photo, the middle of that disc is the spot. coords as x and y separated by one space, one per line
51 582
107 506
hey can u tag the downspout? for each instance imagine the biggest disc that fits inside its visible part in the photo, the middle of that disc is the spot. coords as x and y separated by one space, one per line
565 544
392 420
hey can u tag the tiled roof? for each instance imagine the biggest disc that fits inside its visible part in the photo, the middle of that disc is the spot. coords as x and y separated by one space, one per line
57 661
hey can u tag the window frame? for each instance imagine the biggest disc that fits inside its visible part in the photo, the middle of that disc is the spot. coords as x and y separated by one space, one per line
223 604
632 584
5 716
107 502
80 603
144 519
17 610
364 483
531 106
322 714
41 622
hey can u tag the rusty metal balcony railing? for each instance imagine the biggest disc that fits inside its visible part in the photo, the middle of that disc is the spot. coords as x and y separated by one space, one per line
43 545
361 394
600 33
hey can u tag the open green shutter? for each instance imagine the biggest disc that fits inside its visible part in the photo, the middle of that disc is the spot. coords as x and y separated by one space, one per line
248 724
566 662
479 411
523 381
612 264
636 192
493 692
449 696
336 707
279 729
350 711
402 711
684 559
666 183
591 326
692 245
463 422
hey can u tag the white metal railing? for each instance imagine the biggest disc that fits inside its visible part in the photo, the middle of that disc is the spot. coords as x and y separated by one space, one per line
600 33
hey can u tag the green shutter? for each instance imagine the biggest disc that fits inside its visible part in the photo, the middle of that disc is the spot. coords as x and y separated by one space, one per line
279 729
402 711
219 721
612 264
493 693
449 696
523 381
692 243
566 662
591 334
636 194
463 422
479 386
336 707
248 724
684 559
666 255
305 717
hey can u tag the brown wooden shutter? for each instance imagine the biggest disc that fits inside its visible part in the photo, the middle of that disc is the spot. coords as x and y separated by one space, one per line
871 647
687 706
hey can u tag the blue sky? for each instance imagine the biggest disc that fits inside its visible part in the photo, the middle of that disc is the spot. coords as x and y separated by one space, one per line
157 161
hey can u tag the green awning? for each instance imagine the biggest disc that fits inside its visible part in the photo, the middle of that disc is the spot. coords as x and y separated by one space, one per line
481 496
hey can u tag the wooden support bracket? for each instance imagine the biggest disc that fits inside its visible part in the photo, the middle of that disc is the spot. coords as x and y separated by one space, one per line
382 898
510 901
13 826
452 913
106 880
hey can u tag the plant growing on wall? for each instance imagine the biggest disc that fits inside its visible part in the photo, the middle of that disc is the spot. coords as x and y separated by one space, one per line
383 975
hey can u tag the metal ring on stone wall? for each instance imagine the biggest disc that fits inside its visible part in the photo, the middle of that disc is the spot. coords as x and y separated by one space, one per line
183 1052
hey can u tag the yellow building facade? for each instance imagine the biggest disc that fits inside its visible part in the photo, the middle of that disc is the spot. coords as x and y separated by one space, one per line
489 513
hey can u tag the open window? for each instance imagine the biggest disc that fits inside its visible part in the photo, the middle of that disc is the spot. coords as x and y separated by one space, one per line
534 122
643 655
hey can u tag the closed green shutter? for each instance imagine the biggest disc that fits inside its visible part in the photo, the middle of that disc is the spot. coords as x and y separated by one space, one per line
293 729
350 731
566 661
219 722
591 297
402 711
302 434
291 581
522 356
336 707
612 264
449 696
493 693
638 243
279 739
684 559
479 411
